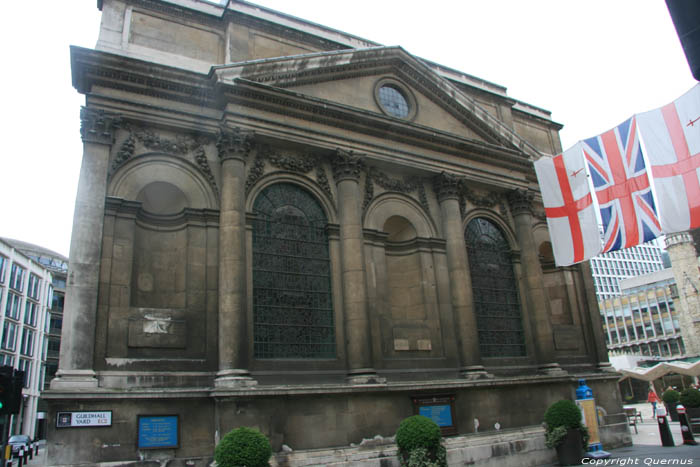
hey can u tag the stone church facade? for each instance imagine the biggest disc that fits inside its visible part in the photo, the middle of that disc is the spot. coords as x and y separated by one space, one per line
284 226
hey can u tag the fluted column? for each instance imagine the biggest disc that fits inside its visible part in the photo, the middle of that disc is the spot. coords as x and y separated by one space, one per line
535 294
346 172
76 360
447 189
233 146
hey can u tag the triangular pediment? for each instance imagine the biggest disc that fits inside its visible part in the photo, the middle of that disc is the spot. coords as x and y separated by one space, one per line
352 79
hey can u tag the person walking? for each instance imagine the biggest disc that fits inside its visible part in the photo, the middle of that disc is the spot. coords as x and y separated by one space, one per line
652 398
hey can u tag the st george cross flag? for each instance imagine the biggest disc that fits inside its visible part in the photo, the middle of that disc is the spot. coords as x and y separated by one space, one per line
671 136
568 206
621 184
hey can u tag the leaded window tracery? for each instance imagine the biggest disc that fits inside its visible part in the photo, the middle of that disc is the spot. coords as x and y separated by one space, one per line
496 298
292 302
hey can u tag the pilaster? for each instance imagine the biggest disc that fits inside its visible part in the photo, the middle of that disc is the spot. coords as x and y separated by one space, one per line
347 167
447 188
233 146
76 360
536 296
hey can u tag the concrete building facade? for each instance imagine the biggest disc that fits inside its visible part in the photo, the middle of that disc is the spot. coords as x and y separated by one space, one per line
644 319
57 265
284 226
611 268
26 293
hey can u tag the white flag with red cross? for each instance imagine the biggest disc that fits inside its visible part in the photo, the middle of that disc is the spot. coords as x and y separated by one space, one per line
569 207
671 136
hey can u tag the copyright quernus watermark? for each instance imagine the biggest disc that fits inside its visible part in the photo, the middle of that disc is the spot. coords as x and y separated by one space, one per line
622 461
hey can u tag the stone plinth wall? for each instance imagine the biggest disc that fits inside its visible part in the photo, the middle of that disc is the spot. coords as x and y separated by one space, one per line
515 447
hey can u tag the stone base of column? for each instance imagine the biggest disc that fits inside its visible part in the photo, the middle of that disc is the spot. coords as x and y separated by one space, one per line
68 380
552 369
474 372
605 366
363 376
234 379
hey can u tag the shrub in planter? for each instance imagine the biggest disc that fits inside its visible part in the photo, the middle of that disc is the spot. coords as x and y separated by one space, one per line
565 432
418 439
243 447
690 398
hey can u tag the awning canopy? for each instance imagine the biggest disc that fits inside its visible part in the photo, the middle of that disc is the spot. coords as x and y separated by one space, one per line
663 368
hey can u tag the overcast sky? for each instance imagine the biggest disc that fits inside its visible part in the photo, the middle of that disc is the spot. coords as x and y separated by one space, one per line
592 63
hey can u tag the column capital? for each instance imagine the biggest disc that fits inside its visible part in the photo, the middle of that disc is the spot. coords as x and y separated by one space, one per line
346 165
447 186
521 201
97 126
234 143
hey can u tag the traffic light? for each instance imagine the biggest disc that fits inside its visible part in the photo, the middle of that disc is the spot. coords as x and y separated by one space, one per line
6 389
14 399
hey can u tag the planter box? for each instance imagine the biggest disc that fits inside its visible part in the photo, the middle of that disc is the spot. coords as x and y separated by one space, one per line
570 452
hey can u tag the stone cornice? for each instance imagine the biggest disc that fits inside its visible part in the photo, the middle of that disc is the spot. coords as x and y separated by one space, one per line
678 238
132 209
97 126
262 97
135 76
313 68
96 68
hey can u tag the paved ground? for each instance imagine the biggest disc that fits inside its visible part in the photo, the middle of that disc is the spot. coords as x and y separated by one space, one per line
647 448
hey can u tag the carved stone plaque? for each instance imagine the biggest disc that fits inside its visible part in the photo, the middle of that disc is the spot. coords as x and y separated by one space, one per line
157 328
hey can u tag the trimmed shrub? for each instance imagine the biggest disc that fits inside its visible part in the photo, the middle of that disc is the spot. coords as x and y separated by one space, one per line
563 413
418 439
418 432
671 397
560 417
243 447
690 398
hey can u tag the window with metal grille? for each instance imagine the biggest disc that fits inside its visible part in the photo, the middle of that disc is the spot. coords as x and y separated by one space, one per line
393 101
496 299
292 302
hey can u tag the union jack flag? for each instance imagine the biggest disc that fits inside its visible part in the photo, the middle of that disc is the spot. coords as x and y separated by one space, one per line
627 207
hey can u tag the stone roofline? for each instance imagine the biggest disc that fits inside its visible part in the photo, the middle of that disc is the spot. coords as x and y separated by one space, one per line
341 38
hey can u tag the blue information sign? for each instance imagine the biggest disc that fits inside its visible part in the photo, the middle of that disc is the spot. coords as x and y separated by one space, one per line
440 414
158 431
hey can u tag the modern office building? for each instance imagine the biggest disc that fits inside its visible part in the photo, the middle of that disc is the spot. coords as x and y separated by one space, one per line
641 319
610 268
26 294
57 264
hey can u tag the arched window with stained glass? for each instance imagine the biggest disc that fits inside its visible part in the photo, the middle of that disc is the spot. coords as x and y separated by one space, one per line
292 300
496 298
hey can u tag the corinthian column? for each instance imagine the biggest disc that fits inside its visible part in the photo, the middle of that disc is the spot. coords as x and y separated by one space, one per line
447 189
233 146
535 294
346 172
78 334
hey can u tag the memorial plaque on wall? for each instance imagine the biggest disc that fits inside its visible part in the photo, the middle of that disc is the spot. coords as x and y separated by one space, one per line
440 408
158 432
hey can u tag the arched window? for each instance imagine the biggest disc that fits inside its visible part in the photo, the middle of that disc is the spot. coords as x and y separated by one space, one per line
292 303
496 301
